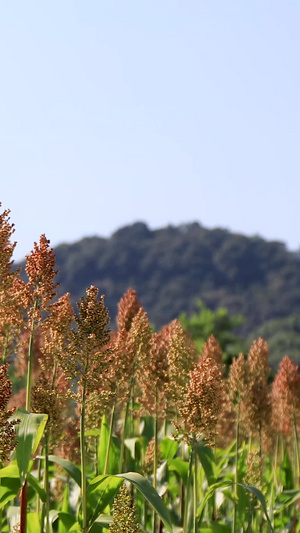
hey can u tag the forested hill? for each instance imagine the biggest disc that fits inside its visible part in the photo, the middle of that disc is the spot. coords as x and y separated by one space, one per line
173 267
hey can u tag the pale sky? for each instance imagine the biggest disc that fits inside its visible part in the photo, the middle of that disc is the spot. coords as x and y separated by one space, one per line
160 111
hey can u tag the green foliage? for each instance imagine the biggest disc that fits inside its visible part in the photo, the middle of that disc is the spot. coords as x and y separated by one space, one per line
205 322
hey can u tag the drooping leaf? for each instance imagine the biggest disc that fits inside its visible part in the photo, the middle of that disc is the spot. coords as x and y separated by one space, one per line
9 489
33 482
29 433
73 470
101 494
259 495
168 448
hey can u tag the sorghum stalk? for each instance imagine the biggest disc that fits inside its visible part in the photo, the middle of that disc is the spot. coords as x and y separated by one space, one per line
124 433
185 516
155 457
236 475
296 446
109 437
83 463
30 365
195 492
46 482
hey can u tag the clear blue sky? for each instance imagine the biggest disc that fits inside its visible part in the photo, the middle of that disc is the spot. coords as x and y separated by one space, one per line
161 111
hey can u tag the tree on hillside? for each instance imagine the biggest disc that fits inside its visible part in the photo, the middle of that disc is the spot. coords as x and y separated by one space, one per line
205 322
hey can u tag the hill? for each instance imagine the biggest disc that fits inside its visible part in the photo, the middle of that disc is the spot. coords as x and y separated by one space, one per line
173 267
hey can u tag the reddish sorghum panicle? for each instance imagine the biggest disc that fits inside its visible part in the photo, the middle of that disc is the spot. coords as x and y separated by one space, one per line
128 307
202 401
40 271
155 371
257 404
181 358
86 358
286 396
212 349
8 439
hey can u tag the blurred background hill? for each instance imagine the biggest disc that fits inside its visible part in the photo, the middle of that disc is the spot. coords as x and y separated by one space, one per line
175 267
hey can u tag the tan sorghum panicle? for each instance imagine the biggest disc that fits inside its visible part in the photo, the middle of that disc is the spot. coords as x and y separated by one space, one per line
256 409
56 332
131 353
181 358
155 371
149 457
6 246
86 358
128 307
258 359
286 396
211 348
11 295
253 469
124 514
48 401
22 353
202 401
238 380
7 432
40 271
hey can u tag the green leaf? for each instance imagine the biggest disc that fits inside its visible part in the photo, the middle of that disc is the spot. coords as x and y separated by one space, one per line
33 523
209 493
68 466
146 490
12 470
259 495
103 520
180 467
65 522
101 492
29 433
36 486
151 496
168 448
9 489
114 451
206 457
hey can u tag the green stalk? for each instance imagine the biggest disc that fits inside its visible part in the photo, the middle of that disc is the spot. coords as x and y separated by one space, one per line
236 475
30 366
109 437
195 492
185 519
123 436
83 463
296 446
155 458
46 482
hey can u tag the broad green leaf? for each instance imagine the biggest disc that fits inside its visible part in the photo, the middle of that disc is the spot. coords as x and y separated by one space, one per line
114 449
209 493
101 494
151 496
9 489
92 433
12 470
33 523
65 509
206 457
36 486
259 495
65 522
180 467
143 486
29 433
104 520
68 466
168 448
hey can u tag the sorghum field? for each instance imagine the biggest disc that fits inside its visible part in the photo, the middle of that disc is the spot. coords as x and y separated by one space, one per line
133 430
